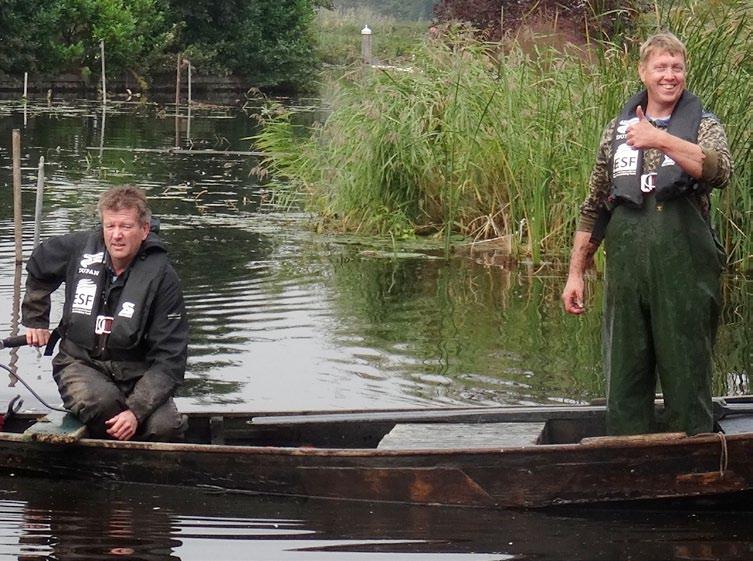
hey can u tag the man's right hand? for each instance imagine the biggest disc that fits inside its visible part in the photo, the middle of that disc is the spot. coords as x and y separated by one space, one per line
37 337
581 259
572 295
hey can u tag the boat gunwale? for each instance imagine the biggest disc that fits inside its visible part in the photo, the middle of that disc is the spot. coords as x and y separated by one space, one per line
614 443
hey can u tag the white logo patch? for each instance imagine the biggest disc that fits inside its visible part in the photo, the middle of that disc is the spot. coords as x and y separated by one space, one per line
648 182
625 125
83 300
92 258
625 161
127 309
667 161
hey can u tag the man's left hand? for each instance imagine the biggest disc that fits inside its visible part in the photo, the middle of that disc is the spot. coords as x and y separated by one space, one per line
123 425
643 134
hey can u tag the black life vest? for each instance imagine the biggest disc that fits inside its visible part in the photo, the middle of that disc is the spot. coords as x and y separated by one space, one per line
85 299
626 169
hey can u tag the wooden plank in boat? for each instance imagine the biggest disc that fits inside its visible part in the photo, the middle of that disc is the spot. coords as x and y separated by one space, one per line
417 436
57 428
537 413
737 424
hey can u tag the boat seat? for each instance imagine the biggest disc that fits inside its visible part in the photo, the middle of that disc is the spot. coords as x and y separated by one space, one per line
57 427
419 436
736 424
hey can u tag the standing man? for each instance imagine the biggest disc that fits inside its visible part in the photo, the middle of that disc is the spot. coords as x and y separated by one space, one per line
124 333
649 199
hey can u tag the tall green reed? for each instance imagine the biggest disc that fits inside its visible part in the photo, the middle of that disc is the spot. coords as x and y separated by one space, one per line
497 140
720 71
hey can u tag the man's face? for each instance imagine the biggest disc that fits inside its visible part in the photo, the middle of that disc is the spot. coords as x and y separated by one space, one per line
663 74
123 235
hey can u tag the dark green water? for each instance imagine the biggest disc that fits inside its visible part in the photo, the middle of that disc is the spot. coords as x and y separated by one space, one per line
285 319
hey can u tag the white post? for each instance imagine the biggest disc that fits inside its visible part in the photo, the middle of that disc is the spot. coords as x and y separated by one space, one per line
102 56
366 44
26 83
40 199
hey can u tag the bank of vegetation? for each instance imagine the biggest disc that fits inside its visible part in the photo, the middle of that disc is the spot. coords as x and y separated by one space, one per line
496 139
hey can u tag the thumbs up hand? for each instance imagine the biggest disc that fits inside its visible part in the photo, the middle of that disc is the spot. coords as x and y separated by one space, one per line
643 134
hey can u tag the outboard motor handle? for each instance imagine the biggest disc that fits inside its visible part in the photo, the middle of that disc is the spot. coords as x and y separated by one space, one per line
17 341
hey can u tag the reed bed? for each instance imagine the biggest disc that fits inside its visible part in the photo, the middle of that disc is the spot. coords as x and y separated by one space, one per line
497 140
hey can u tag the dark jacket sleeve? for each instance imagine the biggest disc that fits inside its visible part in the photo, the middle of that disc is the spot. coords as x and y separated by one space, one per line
166 349
46 271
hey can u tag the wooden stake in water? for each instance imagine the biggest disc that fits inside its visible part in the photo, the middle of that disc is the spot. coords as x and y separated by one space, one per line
102 133
190 100
15 320
17 194
177 83
102 57
39 202
188 62
177 100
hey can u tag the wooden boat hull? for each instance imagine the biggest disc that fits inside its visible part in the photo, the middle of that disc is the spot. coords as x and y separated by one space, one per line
594 469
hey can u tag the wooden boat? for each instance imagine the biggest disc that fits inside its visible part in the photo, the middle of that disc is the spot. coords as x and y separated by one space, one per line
490 457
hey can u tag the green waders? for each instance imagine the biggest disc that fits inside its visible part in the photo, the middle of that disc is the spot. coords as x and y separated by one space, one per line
660 317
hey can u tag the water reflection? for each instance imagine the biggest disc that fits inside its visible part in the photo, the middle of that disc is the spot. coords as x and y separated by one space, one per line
63 520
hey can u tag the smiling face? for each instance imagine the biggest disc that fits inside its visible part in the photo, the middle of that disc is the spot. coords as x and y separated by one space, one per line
663 74
123 232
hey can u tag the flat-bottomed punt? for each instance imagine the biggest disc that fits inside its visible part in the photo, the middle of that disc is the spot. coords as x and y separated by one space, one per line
519 457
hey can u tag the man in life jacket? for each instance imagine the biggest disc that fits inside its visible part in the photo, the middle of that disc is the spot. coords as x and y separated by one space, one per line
123 333
649 200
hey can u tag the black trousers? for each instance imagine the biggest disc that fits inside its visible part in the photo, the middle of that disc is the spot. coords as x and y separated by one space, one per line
94 396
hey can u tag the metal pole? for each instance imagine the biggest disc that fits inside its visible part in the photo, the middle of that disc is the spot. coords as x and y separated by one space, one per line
17 194
102 56
39 202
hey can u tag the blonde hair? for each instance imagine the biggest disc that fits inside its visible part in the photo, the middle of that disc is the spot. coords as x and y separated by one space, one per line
664 41
125 197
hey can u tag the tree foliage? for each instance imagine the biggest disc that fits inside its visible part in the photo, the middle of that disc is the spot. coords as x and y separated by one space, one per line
267 41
